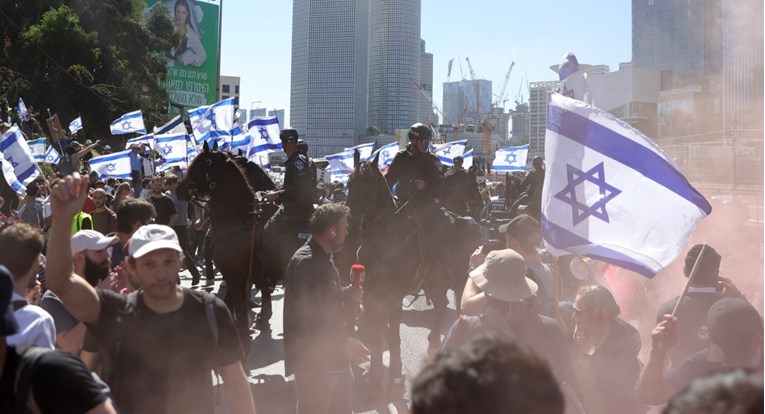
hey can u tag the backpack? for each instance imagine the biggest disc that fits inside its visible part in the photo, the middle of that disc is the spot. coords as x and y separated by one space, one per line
111 352
29 357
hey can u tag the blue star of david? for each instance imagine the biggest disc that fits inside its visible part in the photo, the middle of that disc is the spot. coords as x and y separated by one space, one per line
13 163
167 149
110 167
126 124
513 156
263 132
579 210
385 155
211 117
567 92
50 158
446 150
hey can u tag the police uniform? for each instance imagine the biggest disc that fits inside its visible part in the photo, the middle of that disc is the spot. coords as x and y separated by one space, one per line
407 167
461 189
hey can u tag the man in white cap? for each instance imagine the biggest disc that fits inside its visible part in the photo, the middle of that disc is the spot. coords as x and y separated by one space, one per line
91 260
163 340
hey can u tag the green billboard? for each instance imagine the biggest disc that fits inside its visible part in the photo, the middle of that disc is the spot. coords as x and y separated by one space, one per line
192 78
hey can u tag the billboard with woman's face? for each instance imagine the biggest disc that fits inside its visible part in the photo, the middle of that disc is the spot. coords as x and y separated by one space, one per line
192 64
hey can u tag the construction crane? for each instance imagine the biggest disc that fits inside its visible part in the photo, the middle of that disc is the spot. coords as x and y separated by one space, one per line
425 94
501 99
449 70
482 120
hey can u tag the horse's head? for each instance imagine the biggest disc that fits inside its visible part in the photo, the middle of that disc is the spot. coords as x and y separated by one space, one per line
204 172
368 192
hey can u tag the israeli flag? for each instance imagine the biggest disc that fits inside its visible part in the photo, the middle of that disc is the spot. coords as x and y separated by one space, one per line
143 139
365 150
172 149
52 156
341 163
191 152
75 125
128 123
447 152
116 165
10 177
467 159
37 147
22 111
241 141
572 81
511 159
264 132
611 194
213 122
17 152
174 126
387 153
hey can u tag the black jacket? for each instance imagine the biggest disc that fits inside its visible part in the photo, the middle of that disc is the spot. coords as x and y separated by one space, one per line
299 188
407 167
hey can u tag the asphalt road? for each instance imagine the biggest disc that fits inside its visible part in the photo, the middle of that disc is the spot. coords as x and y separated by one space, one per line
274 393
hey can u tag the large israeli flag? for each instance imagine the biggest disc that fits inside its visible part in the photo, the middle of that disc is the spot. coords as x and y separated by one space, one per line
341 163
52 156
128 123
172 148
611 194
10 177
147 139
510 159
447 152
240 142
387 154
17 152
264 132
116 165
37 147
213 122
467 159
76 125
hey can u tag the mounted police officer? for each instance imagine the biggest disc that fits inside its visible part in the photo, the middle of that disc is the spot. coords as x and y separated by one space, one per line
288 228
532 185
303 149
461 189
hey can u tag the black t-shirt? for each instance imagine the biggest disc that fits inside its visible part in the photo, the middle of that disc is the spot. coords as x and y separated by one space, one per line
164 360
692 334
60 384
165 208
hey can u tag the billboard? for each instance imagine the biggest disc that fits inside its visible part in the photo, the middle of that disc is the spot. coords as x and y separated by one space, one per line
192 78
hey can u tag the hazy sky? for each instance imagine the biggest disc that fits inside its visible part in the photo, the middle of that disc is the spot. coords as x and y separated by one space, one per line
257 37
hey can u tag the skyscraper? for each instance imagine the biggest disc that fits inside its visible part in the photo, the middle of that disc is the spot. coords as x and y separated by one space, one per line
460 100
394 61
426 114
328 101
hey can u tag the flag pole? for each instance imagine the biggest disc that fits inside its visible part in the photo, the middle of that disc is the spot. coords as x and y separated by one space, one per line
690 279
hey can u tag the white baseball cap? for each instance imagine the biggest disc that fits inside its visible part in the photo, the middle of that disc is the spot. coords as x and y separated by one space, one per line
153 237
90 240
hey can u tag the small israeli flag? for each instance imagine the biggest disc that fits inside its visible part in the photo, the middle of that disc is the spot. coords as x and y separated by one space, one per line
22 111
241 141
75 125
52 156
365 150
10 177
172 149
511 159
37 147
447 152
264 132
214 121
129 123
174 126
115 165
387 154
467 159
17 152
147 139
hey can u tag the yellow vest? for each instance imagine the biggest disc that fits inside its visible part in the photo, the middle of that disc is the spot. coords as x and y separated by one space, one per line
79 218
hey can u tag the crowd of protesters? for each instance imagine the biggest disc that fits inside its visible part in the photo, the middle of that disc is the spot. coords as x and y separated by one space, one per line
90 268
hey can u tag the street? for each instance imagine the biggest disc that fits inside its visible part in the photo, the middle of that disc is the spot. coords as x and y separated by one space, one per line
275 394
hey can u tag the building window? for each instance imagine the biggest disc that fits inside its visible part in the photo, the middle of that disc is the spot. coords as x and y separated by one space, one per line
236 89
226 88
225 97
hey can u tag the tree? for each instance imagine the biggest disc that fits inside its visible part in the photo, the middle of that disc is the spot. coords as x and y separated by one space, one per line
95 59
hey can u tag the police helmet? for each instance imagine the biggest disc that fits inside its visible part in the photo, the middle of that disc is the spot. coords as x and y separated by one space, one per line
420 131
288 135
302 146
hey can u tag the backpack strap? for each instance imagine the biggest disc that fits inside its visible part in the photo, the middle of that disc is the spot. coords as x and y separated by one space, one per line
28 359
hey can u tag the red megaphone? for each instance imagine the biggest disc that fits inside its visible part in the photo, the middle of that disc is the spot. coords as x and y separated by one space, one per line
357 275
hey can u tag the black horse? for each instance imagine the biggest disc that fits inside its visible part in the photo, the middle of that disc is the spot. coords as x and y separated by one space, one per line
395 267
232 184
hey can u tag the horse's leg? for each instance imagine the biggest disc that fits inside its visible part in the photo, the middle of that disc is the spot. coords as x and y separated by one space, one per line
371 333
440 304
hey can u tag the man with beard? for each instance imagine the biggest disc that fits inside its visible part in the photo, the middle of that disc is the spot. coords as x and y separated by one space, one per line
91 260
318 344
104 219
161 357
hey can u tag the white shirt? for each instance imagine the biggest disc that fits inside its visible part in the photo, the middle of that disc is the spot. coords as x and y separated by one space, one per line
36 326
